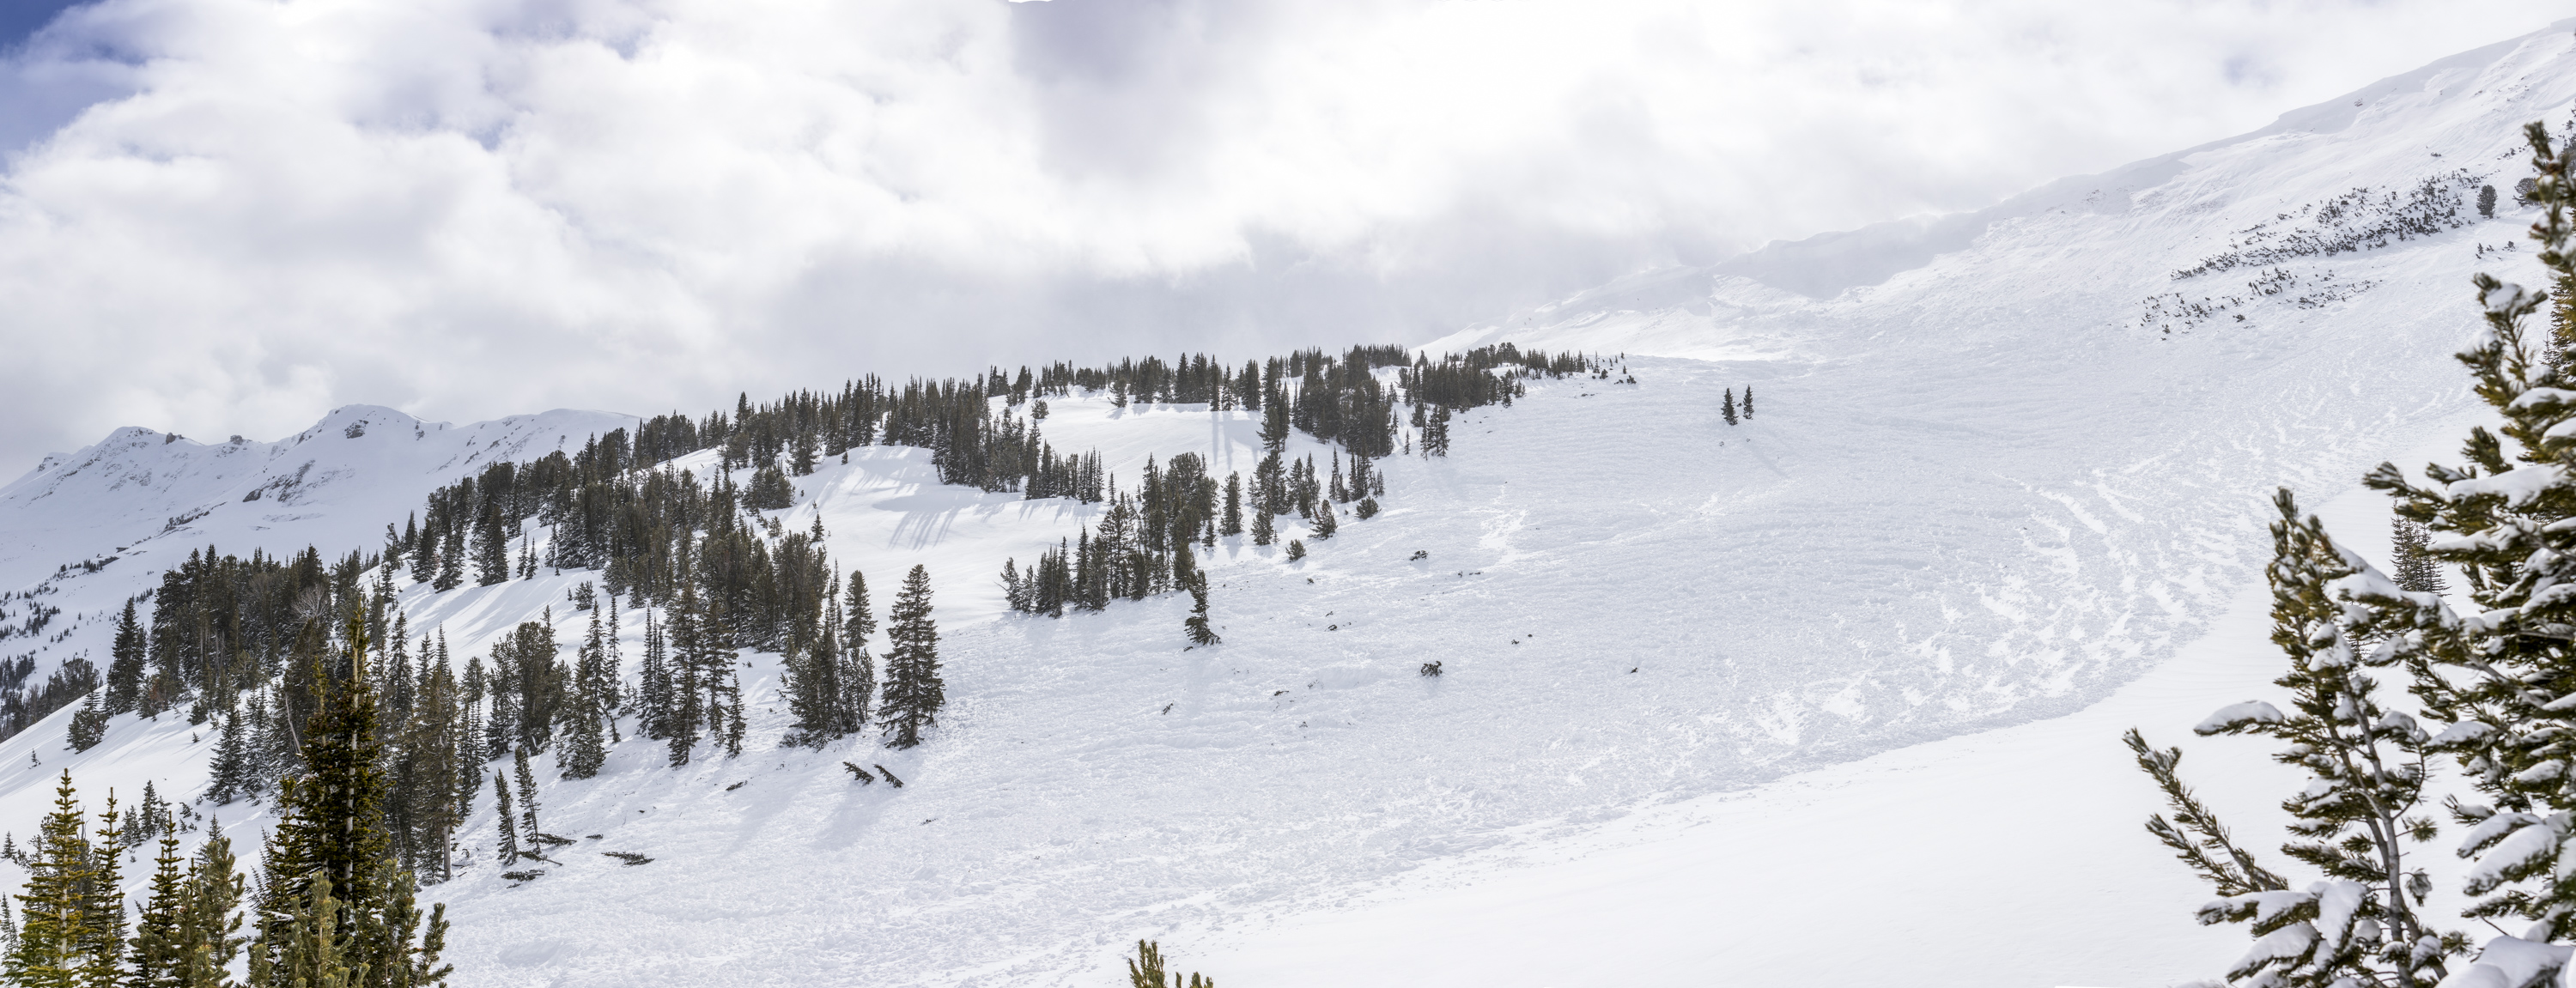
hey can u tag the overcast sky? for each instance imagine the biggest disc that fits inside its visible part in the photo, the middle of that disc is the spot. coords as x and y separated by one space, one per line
228 216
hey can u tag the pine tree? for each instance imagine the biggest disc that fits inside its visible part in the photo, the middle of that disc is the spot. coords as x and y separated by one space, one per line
330 835
491 547
1727 410
1201 632
733 714
585 742
1263 531
2486 201
508 845
231 777
89 724
160 957
858 675
126 669
1325 523
306 948
1748 401
1233 504
527 779
1296 549
209 923
2412 568
451 558
2367 768
58 923
913 692
1145 970
2505 683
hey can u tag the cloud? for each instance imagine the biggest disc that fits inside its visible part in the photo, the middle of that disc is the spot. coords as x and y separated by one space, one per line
229 215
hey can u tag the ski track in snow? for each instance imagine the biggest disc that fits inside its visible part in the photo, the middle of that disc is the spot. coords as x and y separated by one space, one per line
1978 495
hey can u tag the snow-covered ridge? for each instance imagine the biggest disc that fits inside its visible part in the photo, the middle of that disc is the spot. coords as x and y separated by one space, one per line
335 485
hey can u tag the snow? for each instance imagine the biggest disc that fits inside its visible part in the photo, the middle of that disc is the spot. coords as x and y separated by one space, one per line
2237 714
1713 697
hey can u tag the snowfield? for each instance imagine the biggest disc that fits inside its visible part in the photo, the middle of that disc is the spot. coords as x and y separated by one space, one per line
1830 696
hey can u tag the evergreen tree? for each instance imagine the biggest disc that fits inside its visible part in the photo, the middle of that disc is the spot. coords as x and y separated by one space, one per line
1145 970
451 558
1296 549
508 846
1325 523
2413 569
89 724
2486 201
491 547
527 779
1368 508
160 956
331 835
858 675
232 776
209 922
2505 682
307 947
126 668
913 692
1748 401
58 919
1727 410
585 743
733 714
1201 632
1233 504
2367 768
1264 531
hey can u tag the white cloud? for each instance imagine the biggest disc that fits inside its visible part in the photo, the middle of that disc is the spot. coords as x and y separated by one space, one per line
473 207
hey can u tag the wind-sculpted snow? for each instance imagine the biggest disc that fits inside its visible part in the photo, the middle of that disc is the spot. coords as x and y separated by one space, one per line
1977 493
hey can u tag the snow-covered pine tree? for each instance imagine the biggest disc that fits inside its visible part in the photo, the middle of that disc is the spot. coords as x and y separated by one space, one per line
1264 531
914 692
2486 201
2505 678
1727 409
1325 523
1296 549
2359 810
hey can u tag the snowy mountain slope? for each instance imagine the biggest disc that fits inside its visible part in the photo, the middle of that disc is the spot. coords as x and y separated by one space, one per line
90 528
1993 487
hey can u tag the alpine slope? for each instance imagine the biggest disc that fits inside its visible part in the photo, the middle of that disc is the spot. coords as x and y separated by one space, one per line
1830 695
